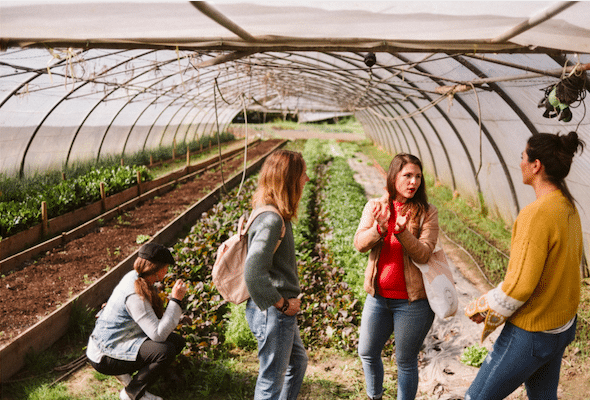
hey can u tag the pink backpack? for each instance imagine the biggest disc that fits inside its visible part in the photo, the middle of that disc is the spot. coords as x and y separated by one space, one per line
228 270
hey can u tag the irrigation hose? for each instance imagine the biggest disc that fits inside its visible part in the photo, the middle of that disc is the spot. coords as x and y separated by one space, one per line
70 368
245 144
470 256
218 139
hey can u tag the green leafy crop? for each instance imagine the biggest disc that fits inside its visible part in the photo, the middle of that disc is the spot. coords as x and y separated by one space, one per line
474 355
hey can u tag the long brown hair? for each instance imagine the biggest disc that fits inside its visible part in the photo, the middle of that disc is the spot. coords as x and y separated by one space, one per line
278 183
419 203
146 291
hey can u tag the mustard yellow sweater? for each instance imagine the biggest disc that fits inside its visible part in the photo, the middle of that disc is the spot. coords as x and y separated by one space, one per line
541 289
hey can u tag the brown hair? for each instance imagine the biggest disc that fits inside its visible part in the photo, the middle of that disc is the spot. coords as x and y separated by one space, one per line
146 291
419 203
556 153
278 183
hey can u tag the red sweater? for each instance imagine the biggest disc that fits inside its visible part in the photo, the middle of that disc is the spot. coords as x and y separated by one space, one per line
390 269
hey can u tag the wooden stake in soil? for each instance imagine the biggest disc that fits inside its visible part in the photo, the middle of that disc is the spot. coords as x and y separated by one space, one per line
151 160
103 197
138 183
188 157
44 217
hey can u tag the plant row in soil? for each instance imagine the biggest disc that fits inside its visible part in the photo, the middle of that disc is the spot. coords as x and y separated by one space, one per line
21 198
328 263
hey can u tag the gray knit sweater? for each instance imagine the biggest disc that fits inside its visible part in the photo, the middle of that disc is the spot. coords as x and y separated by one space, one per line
269 276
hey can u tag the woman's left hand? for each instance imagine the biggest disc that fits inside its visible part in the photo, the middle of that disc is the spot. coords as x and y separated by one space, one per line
402 220
478 318
178 290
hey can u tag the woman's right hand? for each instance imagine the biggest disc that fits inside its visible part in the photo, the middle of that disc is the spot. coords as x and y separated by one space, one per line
178 290
381 213
294 306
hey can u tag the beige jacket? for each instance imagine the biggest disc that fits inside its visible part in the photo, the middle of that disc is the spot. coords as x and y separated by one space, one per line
418 245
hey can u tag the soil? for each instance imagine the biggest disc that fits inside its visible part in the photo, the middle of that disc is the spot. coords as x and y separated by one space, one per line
35 291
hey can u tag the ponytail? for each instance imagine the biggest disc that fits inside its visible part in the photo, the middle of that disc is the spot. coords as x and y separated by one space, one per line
146 291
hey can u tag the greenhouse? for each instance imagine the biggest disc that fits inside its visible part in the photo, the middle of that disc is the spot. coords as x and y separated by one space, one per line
461 85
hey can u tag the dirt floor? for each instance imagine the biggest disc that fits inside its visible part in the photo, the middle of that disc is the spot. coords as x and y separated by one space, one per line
28 295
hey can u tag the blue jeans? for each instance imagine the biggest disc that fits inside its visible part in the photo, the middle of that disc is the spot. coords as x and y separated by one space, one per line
521 356
281 353
409 322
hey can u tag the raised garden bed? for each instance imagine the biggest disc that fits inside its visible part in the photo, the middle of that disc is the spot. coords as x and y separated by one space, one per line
53 281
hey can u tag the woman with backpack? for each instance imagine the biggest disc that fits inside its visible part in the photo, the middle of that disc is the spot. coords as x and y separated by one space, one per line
272 278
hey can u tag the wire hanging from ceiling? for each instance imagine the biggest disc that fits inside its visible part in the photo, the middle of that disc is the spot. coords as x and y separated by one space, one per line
218 138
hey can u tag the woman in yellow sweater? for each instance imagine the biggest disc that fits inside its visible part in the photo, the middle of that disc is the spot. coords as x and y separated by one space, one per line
539 296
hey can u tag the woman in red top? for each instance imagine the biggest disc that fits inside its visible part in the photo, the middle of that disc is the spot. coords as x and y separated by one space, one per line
399 229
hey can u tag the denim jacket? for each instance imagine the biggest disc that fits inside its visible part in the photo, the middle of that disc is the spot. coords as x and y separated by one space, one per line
116 334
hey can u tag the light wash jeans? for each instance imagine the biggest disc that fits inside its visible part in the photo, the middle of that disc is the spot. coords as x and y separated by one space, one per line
409 322
281 353
521 356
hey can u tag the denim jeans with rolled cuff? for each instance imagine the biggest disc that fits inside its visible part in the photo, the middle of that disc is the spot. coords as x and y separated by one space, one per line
409 322
282 356
521 356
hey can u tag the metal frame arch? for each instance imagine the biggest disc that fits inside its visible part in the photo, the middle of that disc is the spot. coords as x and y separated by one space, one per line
99 102
43 119
344 75
19 86
498 90
381 130
490 140
52 109
386 102
411 133
384 106
156 98
451 125
435 131
394 88
432 126
433 159
399 132
188 112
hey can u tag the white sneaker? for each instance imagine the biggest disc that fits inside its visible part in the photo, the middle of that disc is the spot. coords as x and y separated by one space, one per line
148 396
124 379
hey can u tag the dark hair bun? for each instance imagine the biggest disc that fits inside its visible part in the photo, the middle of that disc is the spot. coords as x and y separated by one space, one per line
571 142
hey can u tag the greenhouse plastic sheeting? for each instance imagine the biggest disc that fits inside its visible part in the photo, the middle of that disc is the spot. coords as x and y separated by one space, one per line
456 83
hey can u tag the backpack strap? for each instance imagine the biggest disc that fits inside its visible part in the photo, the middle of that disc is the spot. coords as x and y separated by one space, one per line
259 210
